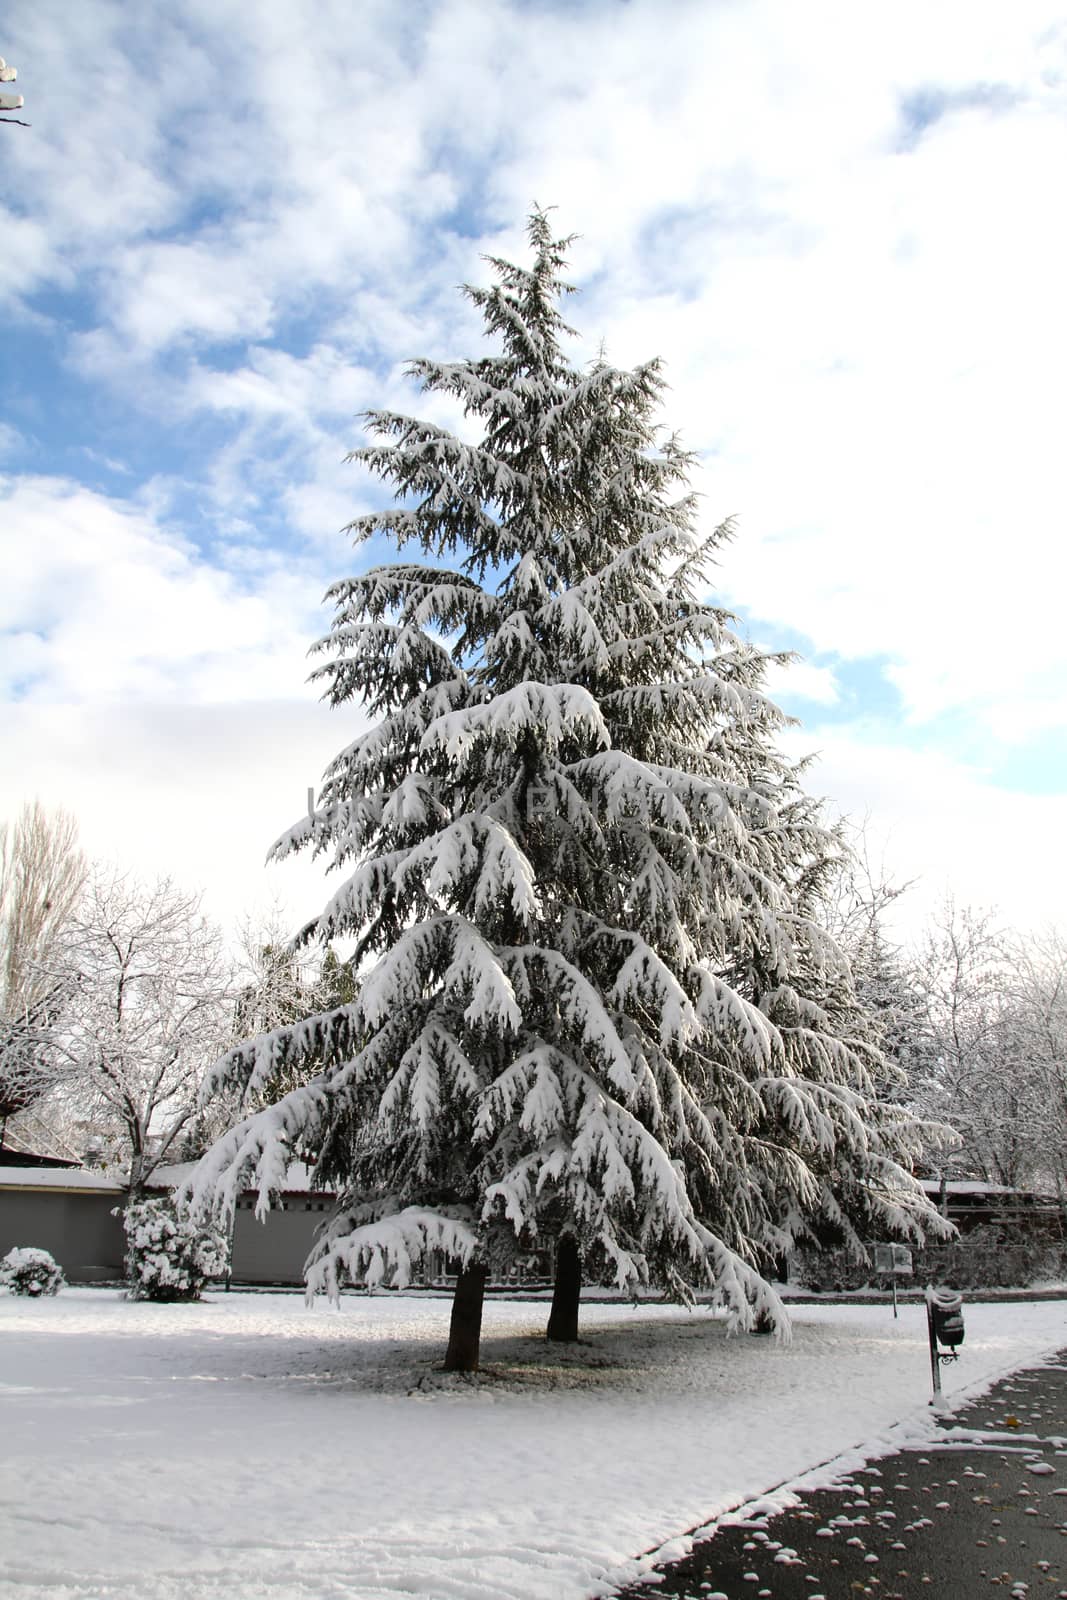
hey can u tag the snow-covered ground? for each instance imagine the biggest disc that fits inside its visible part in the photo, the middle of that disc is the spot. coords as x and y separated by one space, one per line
248 1447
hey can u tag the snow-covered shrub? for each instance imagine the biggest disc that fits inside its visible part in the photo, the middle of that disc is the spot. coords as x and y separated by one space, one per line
26 1270
169 1257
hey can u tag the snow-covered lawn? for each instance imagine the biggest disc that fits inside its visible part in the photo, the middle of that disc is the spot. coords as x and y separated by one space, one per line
248 1447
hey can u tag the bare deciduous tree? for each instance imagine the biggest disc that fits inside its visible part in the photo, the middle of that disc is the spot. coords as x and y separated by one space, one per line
981 1078
42 873
152 1009
1038 1012
273 985
976 1020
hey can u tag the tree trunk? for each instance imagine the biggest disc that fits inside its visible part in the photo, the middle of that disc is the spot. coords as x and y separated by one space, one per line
136 1180
129 1265
465 1330
566 1291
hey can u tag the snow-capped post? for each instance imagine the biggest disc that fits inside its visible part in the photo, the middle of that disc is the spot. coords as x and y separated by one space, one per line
603 1015
944 1326
10 102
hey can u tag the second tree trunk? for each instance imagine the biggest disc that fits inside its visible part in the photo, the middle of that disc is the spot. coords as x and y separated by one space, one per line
566 1292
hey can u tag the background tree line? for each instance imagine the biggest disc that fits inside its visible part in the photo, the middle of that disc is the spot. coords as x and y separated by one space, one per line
117 997
974 1016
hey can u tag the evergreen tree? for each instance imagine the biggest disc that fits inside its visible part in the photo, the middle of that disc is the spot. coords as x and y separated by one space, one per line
576 856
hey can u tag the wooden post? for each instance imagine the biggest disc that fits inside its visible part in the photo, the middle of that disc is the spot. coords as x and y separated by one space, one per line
935 1361
465 1329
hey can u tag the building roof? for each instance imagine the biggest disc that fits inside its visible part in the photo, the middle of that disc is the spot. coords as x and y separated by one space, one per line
297 1178
46 1176
70 1179
967 1186
32 1158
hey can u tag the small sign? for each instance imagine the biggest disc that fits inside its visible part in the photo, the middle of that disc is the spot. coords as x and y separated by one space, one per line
893 1258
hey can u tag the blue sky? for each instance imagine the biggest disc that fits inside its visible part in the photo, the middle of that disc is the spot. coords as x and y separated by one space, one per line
839 225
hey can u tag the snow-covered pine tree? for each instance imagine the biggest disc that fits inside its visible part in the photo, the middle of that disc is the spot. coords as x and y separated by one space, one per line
830 1070
573 850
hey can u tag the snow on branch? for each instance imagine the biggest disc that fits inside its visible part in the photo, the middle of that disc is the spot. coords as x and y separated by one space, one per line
629 787
644 976
549 713
478 849
476 971
386 1246
538 971
725 1011
748 1298
257 1153
399 976
352 906
252 1065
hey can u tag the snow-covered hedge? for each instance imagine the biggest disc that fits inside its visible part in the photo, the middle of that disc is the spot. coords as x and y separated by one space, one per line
168 1256
26 1270
987 1257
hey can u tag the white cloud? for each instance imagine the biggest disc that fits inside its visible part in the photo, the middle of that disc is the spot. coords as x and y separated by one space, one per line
10 439
938 824
100 603
804 680
160 697
197 792
275 383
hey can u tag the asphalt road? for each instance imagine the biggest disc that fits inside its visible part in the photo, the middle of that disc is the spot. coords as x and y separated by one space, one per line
980 1511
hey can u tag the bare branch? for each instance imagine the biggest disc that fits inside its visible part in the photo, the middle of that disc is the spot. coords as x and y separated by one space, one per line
42 873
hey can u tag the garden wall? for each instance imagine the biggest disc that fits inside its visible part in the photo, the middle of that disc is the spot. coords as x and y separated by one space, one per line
274 1251
69 1214
74 1224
